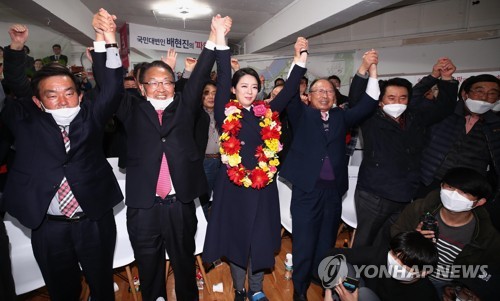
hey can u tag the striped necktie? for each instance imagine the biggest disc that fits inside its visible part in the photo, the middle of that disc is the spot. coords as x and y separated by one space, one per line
163 185
67 201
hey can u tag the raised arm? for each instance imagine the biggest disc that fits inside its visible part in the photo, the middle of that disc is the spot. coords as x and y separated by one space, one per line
200 75
110 76
223 58
298 69
360 80
369 99
14 57
447 96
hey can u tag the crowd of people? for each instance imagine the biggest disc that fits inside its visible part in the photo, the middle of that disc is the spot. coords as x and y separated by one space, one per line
426 197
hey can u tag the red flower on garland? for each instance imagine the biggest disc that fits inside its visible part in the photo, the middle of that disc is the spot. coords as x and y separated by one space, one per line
259 178
269 133
259 154
236 175
231 146
232 126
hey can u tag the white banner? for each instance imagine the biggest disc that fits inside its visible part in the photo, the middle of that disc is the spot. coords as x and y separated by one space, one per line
148 37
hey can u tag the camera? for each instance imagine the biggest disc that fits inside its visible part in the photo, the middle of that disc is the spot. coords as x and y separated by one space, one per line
429 222
350 284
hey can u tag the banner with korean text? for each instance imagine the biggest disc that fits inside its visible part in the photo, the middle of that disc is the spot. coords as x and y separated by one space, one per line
148 37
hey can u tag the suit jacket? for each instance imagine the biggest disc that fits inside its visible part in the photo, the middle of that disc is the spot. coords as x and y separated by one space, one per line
63 60
310 145
147 141
41 161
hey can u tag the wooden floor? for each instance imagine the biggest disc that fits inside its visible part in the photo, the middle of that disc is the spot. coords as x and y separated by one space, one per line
279 290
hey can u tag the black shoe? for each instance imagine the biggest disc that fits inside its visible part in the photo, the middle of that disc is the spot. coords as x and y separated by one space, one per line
240 295
299 297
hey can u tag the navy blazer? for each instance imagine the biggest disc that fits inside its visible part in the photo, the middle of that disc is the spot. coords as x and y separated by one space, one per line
310 145
41 160
147 141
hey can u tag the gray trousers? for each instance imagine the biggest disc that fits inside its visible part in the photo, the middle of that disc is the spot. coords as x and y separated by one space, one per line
239 274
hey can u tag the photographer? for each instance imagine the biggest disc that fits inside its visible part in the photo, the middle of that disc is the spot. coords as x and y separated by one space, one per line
397 272
467 240
83 81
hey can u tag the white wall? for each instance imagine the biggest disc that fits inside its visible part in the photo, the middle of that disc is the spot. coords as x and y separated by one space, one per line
467 56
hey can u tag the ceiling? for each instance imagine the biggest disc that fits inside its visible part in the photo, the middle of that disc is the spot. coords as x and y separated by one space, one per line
262 25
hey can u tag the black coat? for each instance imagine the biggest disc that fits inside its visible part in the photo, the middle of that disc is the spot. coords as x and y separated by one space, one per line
41 160
391 154
245 222
147 141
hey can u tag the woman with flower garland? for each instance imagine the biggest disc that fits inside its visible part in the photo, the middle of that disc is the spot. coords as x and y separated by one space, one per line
244 224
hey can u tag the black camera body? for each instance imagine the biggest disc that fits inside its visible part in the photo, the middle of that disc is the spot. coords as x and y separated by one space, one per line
429 222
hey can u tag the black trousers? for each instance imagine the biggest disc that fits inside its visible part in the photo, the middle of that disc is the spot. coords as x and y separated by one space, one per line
315 220
7 288
168 226
60 249
375 216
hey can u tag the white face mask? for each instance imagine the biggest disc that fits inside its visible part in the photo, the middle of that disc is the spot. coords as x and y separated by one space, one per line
496 106
478 106
454 201
63 116
398 271
159 104
394 110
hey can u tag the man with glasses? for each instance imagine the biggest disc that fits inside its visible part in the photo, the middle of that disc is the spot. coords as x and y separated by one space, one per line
467 138
316 166
165 174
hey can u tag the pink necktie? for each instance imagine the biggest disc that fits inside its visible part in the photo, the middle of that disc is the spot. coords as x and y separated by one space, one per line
324 116
163 186
67 201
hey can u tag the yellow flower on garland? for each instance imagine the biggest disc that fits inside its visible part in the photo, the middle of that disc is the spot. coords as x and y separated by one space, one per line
263 166
234 160
273 144
274 162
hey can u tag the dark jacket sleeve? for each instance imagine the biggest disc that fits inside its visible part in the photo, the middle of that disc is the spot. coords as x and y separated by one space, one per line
357 89
223 93
290 89
14 73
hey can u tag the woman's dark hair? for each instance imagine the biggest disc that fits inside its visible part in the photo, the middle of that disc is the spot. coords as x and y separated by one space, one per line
49 70
210 82
396 81
159 64
469 181
242 72
413 249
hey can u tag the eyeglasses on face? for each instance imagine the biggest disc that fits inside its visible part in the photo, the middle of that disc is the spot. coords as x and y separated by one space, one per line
322 91
481 93
155 84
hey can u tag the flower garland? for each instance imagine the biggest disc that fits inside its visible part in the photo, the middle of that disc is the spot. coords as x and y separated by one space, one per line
266 154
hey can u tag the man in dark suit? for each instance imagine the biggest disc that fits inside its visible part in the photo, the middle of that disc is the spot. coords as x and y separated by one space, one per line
57 57
316 167
60 184
164 175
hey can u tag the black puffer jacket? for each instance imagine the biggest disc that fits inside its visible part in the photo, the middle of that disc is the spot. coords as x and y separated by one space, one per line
391 154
